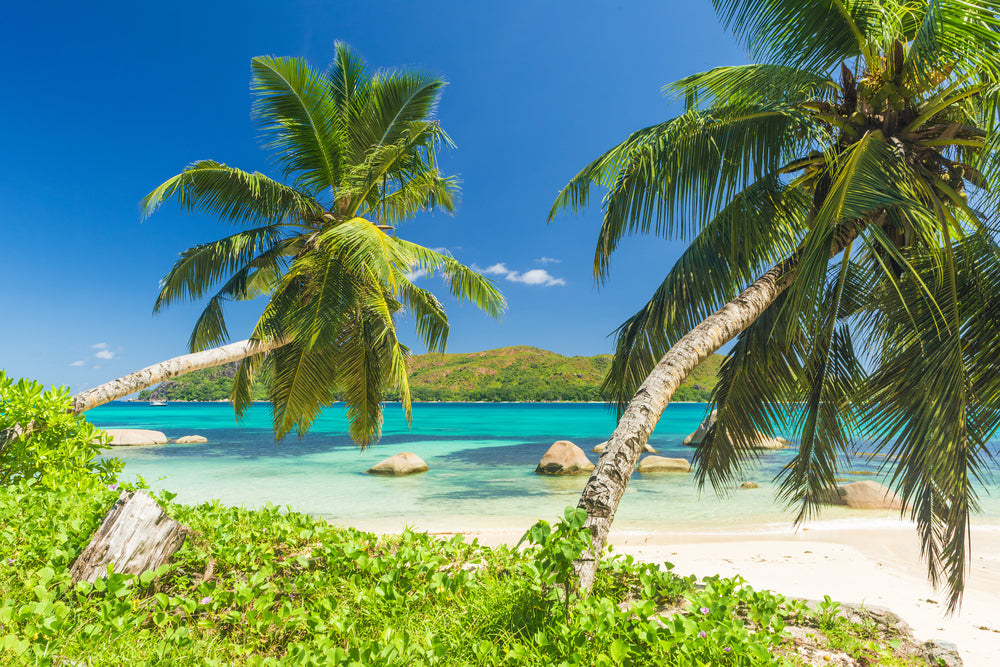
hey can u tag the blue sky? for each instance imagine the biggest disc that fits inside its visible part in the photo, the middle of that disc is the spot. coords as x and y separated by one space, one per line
104 101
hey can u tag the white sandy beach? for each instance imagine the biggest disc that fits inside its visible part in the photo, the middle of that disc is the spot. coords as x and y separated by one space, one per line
873 562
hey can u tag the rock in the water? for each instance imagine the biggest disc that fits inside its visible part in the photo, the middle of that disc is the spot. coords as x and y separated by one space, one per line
663 464
564 458
866 495
600 449
127 437
190 439
404 463
761 441
749 485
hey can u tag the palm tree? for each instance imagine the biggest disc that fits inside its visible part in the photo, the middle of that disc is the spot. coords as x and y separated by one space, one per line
823 193
357 154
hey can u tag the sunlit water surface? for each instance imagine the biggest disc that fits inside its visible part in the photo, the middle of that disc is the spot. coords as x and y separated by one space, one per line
481 457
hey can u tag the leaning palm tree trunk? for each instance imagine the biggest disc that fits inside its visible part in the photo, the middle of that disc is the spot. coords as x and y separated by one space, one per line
147 377
607 483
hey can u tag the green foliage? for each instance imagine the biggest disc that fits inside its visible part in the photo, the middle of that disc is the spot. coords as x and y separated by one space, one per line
41 440
209 384
853 169
273 586
518 373
357 152
556 552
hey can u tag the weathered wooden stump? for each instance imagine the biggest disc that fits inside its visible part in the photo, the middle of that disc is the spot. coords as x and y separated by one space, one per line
136 535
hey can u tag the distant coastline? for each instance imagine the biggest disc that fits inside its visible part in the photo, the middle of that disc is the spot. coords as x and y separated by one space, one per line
519 374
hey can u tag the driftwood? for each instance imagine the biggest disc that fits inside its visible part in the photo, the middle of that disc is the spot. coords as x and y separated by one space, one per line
136 535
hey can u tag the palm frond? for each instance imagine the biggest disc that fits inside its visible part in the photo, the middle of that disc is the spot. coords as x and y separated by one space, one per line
464 284
297 115
411 154
200 268
667 178
760 227
398 99
302 383
756 378
258 277
231 194
349 83
753 84
428 313
427 190
954 36
826 417
371 361
807 34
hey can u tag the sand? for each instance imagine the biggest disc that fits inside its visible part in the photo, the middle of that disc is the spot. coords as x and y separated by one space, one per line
871 562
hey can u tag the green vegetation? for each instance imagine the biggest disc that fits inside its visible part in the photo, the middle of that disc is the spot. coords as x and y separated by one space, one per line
210 384
839 196
273 586
357 154
518 373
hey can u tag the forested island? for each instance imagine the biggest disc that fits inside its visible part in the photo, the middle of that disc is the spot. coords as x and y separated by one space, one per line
519 373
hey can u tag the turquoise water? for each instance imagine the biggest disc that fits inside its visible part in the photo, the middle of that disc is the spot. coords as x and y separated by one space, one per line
481 458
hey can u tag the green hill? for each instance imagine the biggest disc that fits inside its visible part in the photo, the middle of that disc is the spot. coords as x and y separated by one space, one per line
519 373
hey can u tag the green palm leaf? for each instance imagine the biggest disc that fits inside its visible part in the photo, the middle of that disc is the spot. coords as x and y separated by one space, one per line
297 116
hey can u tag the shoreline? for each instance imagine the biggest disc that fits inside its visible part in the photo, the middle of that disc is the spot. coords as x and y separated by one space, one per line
872 563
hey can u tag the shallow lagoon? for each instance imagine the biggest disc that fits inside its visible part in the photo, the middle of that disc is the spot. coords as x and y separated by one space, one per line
481 457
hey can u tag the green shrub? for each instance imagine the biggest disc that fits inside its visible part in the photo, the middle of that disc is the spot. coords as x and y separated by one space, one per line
58 445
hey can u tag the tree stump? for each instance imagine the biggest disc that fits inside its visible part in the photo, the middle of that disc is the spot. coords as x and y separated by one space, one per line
136 535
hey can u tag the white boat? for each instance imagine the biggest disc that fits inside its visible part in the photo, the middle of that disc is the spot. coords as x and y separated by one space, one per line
157 402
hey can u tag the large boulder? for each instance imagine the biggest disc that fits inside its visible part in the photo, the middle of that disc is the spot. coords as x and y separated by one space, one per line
404 463
761 441
663 464
129 437
601 448
564 458
866 495
191 439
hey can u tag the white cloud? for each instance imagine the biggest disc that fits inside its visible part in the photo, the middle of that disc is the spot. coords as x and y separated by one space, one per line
99 346
498 269
535 277
95 366
532 277
105 354
416 274
548 260
79 363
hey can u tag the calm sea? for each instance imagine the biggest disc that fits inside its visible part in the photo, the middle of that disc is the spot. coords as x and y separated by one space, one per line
481 458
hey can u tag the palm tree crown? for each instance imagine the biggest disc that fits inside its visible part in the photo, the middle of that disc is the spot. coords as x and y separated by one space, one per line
858 158
357 154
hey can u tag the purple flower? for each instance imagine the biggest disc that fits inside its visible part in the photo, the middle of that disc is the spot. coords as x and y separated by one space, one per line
727 649
704 610
10 561
113 487
702 634
205 600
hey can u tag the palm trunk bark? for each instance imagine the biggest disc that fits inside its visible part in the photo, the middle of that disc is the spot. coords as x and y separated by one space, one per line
607 483
147 377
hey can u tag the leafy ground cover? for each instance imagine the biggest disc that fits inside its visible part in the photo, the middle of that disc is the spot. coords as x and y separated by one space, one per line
275 586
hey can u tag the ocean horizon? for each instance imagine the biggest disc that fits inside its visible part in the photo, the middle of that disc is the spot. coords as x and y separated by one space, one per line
481 459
